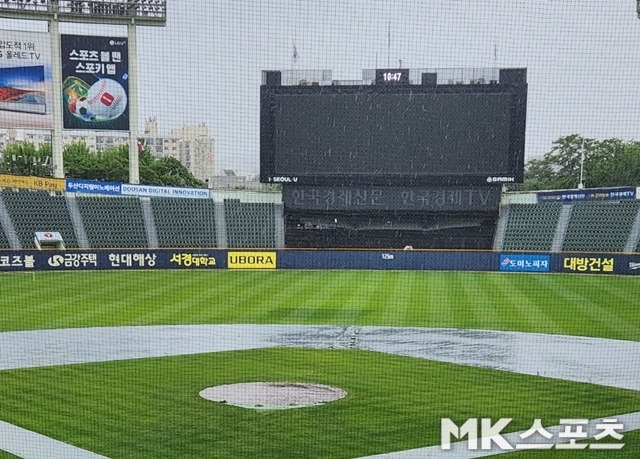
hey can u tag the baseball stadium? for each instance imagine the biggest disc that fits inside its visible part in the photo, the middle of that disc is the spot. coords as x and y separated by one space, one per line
394 286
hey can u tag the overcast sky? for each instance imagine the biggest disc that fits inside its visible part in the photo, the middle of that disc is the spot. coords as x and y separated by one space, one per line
582 56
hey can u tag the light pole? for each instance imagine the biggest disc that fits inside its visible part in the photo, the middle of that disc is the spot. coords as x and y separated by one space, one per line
581 184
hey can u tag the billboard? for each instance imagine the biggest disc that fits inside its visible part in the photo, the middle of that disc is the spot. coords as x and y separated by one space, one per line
396 134
26 89
95 87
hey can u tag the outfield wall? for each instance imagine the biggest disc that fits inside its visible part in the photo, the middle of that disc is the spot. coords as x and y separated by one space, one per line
81 260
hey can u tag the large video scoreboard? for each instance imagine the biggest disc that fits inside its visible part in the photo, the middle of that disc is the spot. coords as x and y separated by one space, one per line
392 132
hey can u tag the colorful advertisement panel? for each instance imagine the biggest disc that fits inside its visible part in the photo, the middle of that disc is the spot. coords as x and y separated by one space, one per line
95 82
26 89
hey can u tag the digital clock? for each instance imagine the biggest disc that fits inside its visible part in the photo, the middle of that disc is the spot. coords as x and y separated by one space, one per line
392 76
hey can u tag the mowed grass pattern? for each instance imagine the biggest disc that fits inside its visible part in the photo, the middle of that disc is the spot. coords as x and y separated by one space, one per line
150 408
597 306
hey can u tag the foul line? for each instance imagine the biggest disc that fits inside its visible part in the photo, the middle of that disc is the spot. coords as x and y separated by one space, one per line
31 445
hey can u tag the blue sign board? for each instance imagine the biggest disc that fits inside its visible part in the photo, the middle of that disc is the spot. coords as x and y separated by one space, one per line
92 186
593 194
524 262
189 259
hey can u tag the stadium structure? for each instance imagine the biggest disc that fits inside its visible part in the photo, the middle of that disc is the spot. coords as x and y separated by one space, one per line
257 220
402 158
334 282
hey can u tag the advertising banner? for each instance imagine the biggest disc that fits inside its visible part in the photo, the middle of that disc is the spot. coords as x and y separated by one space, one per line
188 259
32 183
596 263
631 265
92 186
165 191
595 194
251 260
80 260
19 261
15 181
47 184
126 189
95 86
525 262
26 88
192 259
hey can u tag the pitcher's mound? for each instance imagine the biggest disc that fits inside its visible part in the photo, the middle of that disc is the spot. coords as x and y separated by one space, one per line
273 395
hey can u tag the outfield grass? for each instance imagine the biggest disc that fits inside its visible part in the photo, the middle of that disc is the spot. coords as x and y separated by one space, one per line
597 306
150 408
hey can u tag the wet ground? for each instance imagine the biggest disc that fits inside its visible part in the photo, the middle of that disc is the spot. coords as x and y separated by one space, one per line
606 362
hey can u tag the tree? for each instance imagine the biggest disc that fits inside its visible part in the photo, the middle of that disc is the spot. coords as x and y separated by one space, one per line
607 163
172 172
111 165
24 159
560 168
614 163
114 163
79 162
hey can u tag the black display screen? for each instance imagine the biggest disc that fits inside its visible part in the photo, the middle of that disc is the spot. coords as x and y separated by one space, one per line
392 135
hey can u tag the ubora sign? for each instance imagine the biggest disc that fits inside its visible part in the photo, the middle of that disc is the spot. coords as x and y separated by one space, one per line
251 260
